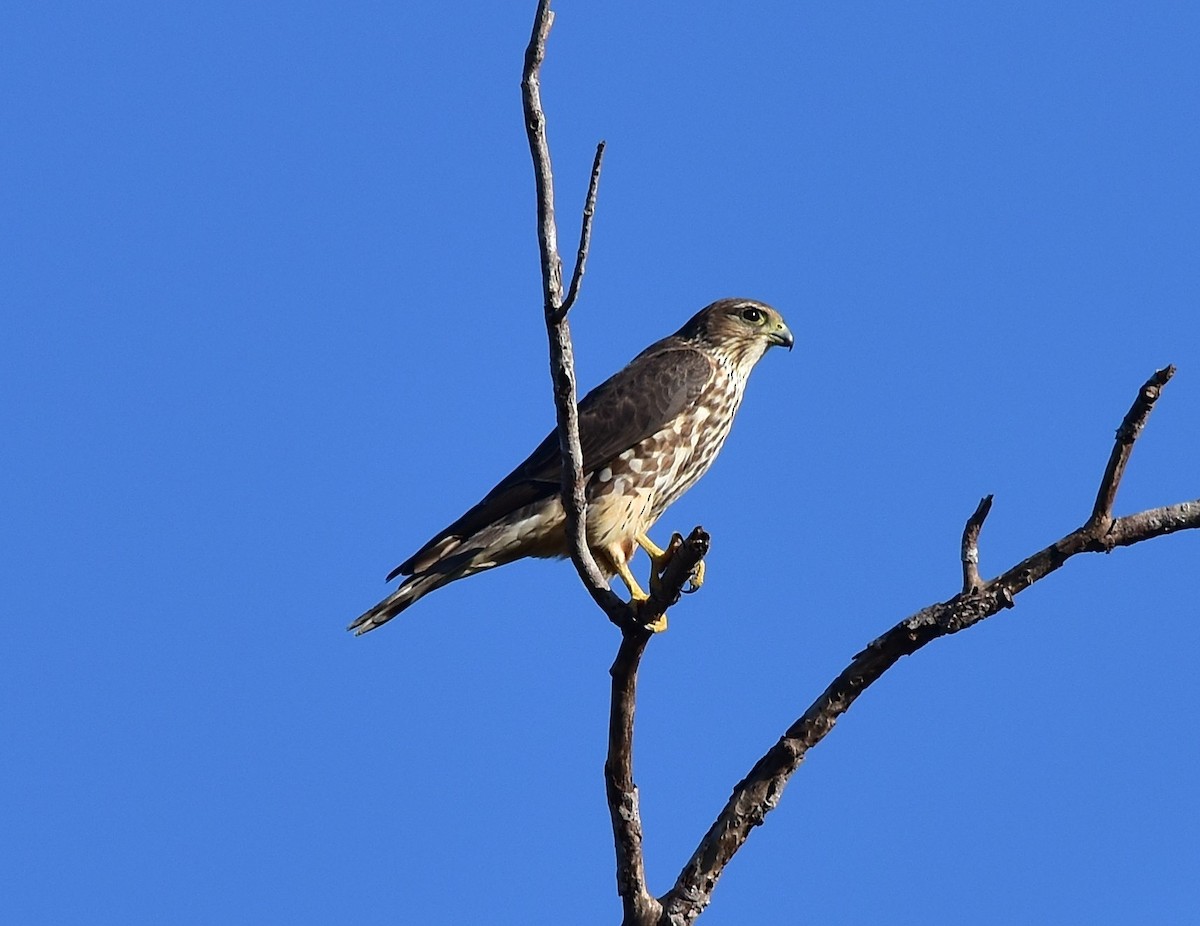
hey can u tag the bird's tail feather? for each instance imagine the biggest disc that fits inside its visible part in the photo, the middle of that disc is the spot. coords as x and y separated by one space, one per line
462 563
413 588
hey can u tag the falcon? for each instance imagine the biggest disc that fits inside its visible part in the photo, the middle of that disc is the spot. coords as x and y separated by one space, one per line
647 434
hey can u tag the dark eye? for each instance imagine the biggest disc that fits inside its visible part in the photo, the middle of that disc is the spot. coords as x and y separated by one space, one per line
753 315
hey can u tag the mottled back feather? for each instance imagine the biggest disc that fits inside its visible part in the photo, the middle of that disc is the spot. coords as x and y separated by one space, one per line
630 406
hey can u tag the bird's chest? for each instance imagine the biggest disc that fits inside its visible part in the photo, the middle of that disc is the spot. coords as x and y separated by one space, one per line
661 467
696 437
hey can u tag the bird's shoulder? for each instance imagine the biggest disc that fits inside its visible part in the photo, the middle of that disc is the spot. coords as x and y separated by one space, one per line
637 401
659 380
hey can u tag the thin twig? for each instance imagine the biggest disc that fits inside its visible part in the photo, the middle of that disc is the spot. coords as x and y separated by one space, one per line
759 792
585 233
539 147
1127 433
970 545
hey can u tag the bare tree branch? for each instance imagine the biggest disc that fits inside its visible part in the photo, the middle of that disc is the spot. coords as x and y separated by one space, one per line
759 792
623 802
639 905
1127 433
622 793
1157 522
562 357
666 587
585 232
970 545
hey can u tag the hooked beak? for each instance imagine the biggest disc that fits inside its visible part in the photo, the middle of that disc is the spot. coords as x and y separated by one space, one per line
782 336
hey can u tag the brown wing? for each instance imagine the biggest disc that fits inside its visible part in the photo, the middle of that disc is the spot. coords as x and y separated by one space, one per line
635 403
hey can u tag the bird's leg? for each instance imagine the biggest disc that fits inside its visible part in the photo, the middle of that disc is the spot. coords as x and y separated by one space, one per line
635 590
658 556
636 595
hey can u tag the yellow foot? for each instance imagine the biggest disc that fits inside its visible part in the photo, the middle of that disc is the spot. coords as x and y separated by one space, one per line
658 556
637 597
659 559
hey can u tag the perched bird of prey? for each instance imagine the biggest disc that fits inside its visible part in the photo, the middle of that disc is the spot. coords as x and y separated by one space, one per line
647 434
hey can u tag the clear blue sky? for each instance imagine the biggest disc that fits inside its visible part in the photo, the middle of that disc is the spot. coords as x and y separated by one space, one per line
271 319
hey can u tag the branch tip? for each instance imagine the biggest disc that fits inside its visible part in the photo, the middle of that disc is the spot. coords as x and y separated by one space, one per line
684 555
970 546
585 235
1127 434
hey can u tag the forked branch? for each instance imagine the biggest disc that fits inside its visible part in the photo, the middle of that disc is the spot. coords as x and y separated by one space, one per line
759 792
640 906
554 307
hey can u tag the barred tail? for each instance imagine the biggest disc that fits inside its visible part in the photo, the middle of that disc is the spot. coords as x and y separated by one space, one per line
413 588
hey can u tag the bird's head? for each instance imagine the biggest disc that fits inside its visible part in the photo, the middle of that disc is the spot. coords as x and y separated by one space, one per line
741 329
